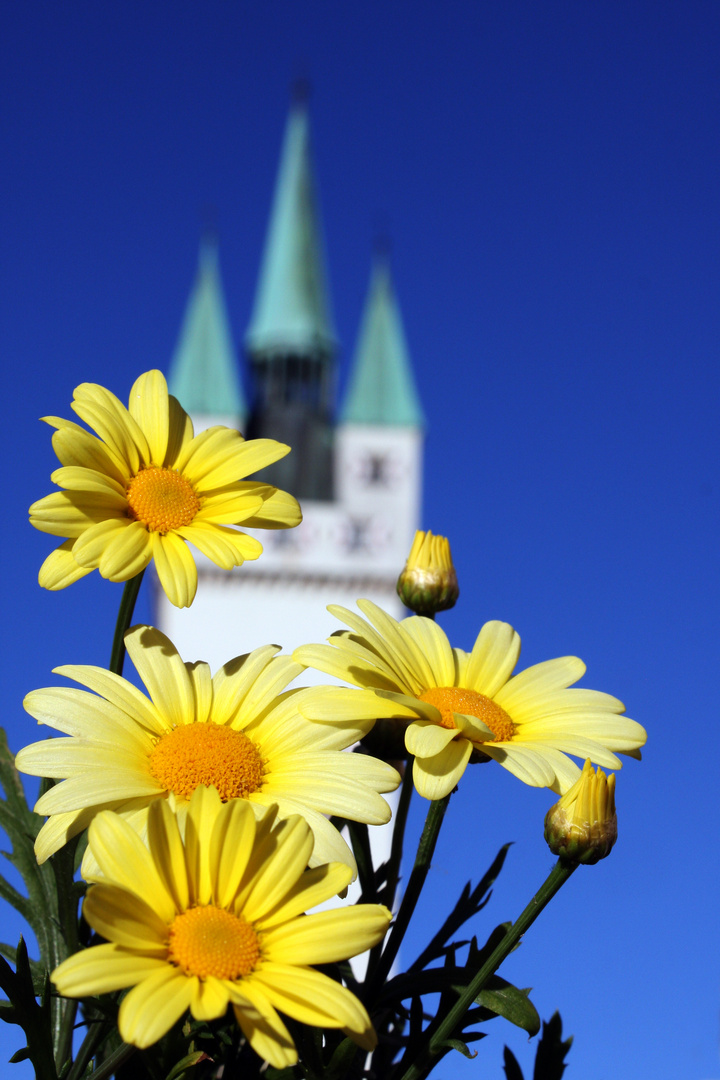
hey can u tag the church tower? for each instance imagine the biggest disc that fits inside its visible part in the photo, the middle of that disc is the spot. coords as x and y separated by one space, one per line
291 341
358 478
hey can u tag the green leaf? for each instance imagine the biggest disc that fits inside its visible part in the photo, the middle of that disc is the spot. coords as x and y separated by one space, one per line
552 1050
458 1044
512 1069
24 1010
470 902
181 1069
512 1004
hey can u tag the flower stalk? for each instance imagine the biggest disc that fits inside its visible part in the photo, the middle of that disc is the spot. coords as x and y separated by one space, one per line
444 1027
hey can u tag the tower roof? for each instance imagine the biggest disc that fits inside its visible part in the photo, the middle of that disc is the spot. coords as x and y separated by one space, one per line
382 388
292 308
203 371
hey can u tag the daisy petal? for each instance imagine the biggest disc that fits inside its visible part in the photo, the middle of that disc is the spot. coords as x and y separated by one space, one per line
494 655
425 738
60 569
262 1027
175 568
152 1007
149 408
549 676
327 936
435 777
126 553
280 510
313 998
102 970
161 668
312 888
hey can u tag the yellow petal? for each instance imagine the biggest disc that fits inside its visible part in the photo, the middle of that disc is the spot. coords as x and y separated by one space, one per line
126 553
161 668
175 568
312 888
435 777
149 407
60 569
262 1027
313 998
102 970
154 1005
327 936
494 655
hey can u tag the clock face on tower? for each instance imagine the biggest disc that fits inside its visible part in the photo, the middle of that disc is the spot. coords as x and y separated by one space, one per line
382 470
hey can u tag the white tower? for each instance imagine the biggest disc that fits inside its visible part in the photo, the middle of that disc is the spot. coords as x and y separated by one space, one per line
358 480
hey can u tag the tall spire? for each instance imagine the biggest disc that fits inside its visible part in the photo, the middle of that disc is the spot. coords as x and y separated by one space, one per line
203 371
382 388
292 308
291 338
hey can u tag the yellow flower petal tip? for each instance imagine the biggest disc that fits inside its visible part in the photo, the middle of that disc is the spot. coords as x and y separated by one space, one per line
138 486
428 583
457 708
237 730
582 826
215 914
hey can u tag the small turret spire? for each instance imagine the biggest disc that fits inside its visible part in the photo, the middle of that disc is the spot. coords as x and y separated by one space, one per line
382 388
203 371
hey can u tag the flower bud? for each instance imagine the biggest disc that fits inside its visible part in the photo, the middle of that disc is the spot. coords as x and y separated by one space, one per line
582 826
429 582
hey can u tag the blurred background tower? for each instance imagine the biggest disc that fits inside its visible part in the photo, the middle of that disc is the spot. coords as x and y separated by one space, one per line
358 477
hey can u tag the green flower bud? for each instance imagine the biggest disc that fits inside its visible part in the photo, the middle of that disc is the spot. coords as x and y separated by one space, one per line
428 583
582 826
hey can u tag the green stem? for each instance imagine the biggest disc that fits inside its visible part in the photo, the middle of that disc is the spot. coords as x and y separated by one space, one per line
360 842
398 837
124 618
423 858
387 896
96 1032
438 1032
118 1057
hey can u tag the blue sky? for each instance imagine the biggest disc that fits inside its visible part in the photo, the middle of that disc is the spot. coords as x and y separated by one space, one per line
549 176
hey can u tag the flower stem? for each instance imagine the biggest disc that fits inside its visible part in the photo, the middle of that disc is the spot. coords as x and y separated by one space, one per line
125 614
439 1031
398 837
118 1057
423 858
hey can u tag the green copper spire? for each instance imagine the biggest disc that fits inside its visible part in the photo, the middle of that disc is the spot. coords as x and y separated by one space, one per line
203 371
382 388
292 310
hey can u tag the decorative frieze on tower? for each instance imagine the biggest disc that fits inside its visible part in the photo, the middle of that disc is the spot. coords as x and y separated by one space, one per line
358 479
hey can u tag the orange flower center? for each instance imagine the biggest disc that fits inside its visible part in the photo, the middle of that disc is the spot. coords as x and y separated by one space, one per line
207 754
211 941
457 699
162 499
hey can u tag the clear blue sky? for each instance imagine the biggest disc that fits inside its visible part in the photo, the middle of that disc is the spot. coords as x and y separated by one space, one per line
549 174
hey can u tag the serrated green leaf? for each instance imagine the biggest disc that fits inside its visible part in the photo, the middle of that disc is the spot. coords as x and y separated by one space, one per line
19 1055
511 1066
552 1050
469 903
512 1004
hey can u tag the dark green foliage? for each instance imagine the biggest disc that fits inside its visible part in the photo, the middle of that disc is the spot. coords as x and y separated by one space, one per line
549 1057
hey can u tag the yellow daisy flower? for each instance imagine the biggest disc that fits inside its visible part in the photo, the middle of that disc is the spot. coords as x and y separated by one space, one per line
465 706
215 919
145 486
236 731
